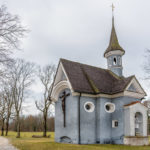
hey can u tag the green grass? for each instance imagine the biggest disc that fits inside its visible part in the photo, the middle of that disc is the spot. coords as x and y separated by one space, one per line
26 142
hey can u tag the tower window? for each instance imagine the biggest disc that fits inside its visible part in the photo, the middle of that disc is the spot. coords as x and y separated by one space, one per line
115 60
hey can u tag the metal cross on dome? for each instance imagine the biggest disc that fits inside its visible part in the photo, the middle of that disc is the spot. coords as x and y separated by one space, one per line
63 97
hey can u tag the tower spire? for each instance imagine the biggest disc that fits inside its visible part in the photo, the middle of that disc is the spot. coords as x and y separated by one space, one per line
113 43
114 52
113 7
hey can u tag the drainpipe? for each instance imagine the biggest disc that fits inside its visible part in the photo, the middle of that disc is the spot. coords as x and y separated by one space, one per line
96 118
79 119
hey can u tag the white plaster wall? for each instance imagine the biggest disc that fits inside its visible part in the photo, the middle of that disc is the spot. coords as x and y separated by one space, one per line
136 141
130 112
127 122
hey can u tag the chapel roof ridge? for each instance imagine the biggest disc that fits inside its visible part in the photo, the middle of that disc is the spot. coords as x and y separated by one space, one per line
94 80
110 72
83 64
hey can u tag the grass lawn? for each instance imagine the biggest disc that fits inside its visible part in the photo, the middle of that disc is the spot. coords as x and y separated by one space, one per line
26 142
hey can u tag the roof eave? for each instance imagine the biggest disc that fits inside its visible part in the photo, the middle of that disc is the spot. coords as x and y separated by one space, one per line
114 52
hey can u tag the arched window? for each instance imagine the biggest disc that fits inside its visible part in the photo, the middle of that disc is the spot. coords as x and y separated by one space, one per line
115 61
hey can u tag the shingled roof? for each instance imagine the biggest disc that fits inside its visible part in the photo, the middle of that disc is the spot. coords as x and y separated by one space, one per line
93 80
133 103
113 43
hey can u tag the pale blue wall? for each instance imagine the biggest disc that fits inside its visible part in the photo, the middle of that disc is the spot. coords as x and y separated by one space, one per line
105 122
117 69
88 122
71 129
105 132
118 133
95 127
97 120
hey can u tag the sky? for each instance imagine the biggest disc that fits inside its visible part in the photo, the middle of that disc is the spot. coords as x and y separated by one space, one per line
79 30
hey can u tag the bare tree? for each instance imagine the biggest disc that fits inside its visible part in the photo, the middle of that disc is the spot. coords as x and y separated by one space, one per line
146 65
22 74
2 112
11 33
46 75
9 104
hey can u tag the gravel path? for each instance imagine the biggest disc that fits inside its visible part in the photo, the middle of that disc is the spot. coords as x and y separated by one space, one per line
5 144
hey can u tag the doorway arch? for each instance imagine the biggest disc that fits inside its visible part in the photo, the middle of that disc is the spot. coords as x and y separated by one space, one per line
138 124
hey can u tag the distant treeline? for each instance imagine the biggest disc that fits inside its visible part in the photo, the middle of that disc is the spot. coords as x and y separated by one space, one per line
32 124
35 124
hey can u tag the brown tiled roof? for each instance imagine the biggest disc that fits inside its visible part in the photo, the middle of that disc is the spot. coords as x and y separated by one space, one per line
113 43
93 80
133 103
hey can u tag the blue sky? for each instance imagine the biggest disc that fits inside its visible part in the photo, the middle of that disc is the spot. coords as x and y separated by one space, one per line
79 30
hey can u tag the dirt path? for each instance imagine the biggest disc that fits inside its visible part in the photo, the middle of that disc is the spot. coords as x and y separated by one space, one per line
5 144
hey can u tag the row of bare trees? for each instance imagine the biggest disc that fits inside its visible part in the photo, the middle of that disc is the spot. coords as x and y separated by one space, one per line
14 91
11 33
6 108
17 75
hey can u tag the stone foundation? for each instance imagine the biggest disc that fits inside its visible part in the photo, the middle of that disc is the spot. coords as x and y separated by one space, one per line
136 141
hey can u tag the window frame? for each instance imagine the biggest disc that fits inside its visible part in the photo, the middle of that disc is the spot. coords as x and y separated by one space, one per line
91 105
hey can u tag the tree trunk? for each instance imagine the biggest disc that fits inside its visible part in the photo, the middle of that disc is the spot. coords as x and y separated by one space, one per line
45 125
2 128
7 126
18 126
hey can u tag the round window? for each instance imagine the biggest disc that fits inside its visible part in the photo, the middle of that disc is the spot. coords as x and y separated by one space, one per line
109 107
89 107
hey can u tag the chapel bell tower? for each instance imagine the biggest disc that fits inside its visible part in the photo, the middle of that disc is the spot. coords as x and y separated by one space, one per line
114 52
